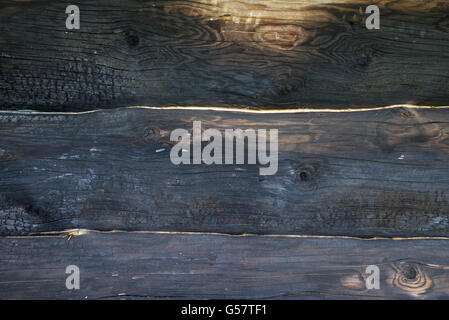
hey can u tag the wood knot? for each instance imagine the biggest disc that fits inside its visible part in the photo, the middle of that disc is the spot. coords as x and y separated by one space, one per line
216 25
403 112
409 272
363 56
152 134
306 172
354 21
304 175
5 155
131 39
281 37
411 277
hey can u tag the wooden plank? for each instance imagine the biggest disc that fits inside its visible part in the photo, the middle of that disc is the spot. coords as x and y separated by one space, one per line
262 54
366 174
161 266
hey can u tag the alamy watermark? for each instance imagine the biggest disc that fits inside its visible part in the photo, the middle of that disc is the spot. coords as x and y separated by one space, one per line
189 147
73 19
72 282
371 22
373 280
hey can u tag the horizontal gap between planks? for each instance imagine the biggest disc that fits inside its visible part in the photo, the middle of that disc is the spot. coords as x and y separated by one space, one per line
69 233
230 109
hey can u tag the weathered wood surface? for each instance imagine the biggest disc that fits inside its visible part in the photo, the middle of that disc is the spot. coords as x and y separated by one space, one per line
291 53
367 174
152 266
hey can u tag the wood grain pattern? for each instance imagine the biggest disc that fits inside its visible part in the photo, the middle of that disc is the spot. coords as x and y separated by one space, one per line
380 173
164 266
367 174
261 54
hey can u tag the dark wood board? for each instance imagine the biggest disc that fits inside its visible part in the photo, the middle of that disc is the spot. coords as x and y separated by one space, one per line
366 174
258 54
204 266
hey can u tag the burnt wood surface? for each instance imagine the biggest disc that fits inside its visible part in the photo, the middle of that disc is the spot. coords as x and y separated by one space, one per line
179 266
366 174
246 53
98 190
